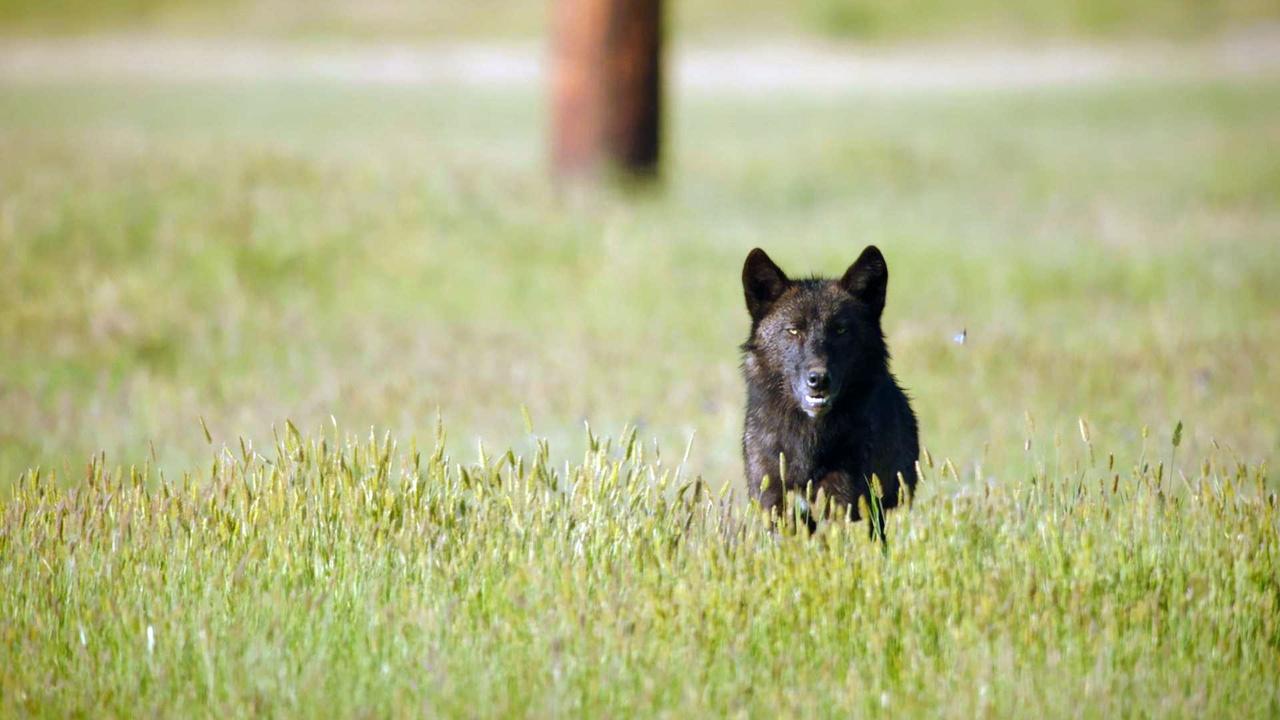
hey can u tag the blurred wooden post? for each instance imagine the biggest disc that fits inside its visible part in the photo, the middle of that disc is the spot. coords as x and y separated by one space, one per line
606 86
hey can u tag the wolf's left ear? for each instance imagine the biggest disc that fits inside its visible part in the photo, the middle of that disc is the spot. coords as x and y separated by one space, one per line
867 278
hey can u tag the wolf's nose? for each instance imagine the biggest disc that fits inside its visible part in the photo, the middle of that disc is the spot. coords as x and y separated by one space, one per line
817 379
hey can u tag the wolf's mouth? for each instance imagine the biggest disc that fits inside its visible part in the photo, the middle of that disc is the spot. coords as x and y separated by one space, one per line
815 404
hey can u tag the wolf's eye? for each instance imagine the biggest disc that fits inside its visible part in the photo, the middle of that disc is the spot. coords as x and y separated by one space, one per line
841 329
793 331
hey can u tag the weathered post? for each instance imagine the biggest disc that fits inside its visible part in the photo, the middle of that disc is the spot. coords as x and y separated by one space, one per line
606 86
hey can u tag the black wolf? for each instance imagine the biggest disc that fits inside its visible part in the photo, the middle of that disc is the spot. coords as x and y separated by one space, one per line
823 411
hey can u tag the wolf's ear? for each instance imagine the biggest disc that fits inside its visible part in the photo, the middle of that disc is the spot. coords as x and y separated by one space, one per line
763 283
867 278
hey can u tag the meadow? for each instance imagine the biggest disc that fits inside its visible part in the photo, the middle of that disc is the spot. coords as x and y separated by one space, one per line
866 20
295 386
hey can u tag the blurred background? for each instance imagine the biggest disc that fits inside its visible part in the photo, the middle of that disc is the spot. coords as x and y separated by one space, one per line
341 211
418 20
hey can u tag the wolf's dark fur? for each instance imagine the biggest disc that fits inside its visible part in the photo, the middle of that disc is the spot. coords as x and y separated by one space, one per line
819 390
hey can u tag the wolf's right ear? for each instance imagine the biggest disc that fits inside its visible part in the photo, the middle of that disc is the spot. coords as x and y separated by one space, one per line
763 282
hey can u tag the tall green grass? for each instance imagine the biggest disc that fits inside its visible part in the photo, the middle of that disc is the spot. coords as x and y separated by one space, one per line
337 576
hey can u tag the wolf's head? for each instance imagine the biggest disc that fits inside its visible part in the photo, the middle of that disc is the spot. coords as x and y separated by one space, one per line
815 340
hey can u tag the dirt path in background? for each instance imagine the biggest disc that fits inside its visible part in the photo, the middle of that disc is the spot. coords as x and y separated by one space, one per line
742 68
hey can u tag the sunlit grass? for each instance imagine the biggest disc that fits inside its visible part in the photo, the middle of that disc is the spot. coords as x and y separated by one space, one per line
183 266
338 576
250 253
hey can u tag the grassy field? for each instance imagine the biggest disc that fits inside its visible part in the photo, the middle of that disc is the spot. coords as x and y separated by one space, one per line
238 255
868 20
